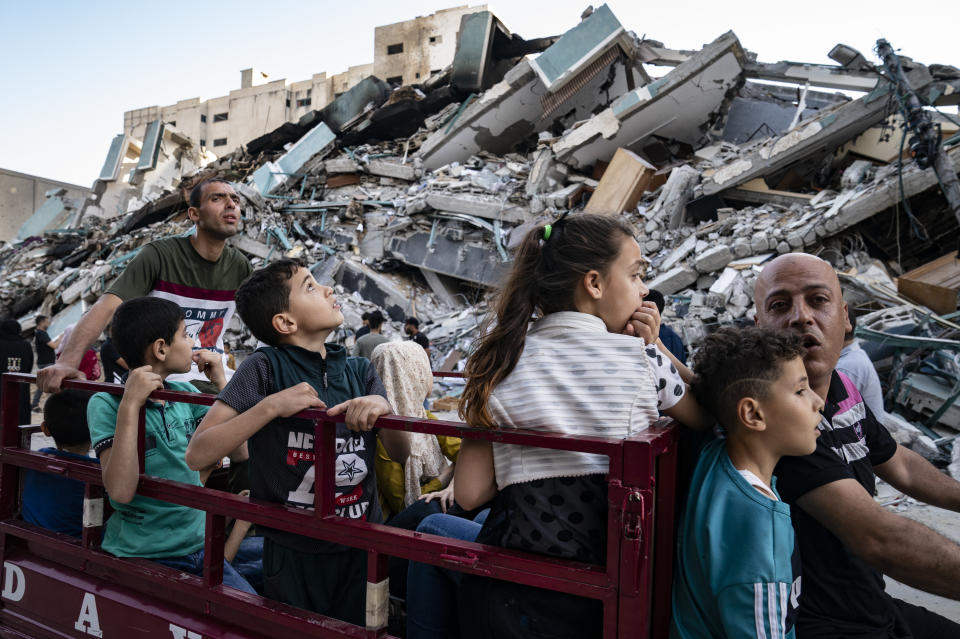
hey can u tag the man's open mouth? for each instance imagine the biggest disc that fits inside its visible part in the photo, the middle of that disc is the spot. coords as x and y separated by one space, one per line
809 341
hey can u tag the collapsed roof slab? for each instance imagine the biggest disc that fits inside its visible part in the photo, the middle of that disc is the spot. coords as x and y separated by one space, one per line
884 195
585 68
440 253
680 106
818 75
828 130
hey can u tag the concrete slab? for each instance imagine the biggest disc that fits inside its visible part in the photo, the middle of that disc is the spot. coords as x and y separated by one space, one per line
680 106
517 106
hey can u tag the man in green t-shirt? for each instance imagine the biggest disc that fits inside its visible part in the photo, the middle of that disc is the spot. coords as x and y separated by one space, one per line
199 273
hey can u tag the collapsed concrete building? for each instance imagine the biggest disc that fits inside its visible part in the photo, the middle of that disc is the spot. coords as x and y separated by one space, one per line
411 199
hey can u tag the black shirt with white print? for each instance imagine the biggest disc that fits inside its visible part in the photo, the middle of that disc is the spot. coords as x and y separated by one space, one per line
282 454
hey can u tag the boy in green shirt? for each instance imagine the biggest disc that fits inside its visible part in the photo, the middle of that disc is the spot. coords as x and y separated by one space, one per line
150 334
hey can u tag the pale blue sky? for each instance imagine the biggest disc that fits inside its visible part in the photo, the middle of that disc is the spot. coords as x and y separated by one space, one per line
72 68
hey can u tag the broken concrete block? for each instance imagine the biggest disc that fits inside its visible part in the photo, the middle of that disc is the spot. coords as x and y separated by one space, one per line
447 254
741 247
249 245
545 173
521 104
713 259
473 205
473 67
783 247
857 173
679 106
392 170
351 106
673 280
679 254
376 288
341 165
561 199
671 205
622 184
724 285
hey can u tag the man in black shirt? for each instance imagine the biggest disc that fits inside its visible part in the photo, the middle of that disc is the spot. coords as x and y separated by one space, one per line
412 328
114 366
846 539
45 351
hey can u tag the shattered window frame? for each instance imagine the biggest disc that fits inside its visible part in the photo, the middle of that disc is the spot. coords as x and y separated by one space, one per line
221 117
220 142
203 117
396 81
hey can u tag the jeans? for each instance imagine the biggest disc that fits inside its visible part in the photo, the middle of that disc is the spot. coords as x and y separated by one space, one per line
432 590
193 564
249 561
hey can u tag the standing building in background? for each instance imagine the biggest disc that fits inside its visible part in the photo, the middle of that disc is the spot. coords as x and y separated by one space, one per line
404 53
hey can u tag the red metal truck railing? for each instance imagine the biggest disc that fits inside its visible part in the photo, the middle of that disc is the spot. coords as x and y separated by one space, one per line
634 585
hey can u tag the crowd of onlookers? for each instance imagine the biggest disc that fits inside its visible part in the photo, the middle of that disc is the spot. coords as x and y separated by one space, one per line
779 535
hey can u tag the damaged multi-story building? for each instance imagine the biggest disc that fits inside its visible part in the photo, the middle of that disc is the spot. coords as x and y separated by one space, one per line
411 198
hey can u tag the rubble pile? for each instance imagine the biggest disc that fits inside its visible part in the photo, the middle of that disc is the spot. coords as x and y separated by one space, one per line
411 199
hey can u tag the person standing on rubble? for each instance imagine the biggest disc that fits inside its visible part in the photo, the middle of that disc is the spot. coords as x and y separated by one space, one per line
847 541
46 352
411 326
199 273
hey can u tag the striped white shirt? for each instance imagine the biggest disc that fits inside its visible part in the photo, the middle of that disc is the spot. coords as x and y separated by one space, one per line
575 378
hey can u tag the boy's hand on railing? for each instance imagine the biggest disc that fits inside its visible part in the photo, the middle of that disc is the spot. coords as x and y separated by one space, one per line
362 412
211 365
291 401
140 383
644 323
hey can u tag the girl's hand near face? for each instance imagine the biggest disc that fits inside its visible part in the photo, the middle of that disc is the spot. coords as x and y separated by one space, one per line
644 323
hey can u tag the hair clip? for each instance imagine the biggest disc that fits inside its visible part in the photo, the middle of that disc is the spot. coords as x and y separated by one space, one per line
546 232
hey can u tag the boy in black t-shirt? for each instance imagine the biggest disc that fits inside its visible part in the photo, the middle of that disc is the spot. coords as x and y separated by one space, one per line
285 307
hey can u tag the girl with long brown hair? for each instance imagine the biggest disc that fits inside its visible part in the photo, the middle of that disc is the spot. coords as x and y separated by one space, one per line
588 365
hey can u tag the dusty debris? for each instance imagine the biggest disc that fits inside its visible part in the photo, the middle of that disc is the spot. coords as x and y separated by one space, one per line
411 199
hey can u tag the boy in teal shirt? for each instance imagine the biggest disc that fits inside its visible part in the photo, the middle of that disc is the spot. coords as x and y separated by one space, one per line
150 334
284 307
738 570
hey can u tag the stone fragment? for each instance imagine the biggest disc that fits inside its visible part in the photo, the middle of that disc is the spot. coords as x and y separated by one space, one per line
674 280
713 259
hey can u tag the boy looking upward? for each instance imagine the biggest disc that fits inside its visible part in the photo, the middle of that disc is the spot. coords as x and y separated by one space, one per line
738 571
151 336
286 308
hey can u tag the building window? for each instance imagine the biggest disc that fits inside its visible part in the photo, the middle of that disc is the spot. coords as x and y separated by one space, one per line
396 80
304 102
393 49
220 142
288 103
309 91
436 39
203 117
203 142
418 76
220 117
